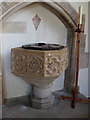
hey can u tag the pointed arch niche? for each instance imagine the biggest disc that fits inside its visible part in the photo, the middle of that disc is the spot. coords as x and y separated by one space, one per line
69 17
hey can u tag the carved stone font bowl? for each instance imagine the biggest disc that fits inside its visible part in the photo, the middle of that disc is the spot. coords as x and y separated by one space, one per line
39 65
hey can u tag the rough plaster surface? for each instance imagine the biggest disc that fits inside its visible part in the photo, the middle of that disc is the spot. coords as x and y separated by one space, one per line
14 27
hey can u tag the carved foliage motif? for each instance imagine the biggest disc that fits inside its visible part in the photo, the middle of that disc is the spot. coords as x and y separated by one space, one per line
27 64
19 63
52 65
35 64
56 64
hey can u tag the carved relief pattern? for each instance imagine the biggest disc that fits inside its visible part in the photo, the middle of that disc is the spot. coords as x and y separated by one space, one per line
31 64
23 63
52 65
35 64
19 63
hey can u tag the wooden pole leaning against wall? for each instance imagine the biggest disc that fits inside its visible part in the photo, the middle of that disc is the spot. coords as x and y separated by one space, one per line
75 99
78 30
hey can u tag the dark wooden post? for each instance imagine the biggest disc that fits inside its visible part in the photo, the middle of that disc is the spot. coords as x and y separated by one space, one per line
77 67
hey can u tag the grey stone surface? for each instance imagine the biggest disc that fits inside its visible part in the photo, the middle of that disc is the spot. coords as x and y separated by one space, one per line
84 57
82 41
83 21
70 71
61 109
57 14
41 97
42 91
4 6
71 11
45 103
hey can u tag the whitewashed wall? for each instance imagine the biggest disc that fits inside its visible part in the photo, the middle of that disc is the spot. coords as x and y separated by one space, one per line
50 30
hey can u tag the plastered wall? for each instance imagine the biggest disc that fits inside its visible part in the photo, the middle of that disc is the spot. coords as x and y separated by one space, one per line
19 30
